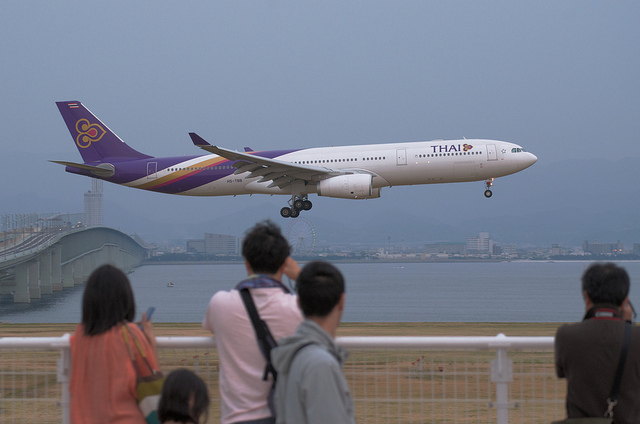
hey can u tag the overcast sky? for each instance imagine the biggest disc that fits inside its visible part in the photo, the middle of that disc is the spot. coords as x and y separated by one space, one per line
560 78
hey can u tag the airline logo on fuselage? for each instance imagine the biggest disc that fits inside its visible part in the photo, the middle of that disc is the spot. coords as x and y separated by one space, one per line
447 148
88 133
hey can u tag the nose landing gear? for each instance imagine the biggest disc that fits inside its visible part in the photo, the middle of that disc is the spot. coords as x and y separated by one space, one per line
297 204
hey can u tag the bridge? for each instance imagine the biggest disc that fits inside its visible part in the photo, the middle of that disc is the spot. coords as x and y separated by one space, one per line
38 261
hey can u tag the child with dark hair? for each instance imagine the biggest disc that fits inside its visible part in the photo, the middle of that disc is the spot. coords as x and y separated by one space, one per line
184 399
103 376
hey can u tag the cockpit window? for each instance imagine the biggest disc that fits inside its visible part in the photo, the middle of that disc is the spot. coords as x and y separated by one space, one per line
517 150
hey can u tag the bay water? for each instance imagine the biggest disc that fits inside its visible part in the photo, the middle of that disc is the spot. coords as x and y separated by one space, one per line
517 291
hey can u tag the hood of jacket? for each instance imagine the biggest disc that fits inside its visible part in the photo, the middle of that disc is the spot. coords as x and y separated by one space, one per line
307 333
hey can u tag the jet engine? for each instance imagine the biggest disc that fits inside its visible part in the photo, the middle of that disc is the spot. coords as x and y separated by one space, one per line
353 186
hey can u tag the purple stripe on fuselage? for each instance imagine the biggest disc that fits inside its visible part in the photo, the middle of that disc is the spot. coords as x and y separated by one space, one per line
174 182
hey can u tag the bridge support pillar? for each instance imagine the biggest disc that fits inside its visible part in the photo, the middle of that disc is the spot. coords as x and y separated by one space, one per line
21 292
56 269
34 280
8 285
104 255
86 267
129 262
66 277
96 260
77 272
114 255
45 272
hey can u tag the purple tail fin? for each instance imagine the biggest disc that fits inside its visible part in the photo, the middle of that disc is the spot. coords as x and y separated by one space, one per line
95 141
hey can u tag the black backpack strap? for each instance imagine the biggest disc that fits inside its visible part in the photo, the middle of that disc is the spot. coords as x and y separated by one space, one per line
266 342
613 397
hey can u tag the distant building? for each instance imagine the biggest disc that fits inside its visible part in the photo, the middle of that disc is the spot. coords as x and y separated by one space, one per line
636 248
510 250
195 246
596 248
218 244
479 244
214 244
93 204
445 247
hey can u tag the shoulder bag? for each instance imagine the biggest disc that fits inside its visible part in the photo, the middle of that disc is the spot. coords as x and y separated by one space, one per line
148 387
266 342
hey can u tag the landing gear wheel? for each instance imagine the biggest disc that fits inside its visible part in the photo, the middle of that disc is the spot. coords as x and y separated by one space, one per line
306 205
298 204
488 193
285 212
295 213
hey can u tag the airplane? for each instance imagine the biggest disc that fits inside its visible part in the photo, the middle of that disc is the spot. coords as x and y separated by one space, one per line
346 172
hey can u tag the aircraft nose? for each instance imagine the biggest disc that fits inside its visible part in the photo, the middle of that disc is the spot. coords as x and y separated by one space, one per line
530 159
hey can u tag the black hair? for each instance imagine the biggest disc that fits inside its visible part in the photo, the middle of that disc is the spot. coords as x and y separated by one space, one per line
265 248
107 300
606 283
320 286
179 389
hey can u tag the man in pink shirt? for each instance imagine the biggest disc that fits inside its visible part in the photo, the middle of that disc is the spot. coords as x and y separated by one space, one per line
243 392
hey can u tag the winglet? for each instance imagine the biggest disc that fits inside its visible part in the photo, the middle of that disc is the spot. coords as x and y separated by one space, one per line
198 141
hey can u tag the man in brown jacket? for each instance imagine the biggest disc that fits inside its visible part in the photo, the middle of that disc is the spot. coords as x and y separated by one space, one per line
587 353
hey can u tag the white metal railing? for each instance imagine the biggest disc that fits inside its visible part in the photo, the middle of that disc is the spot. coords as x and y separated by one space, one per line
392 379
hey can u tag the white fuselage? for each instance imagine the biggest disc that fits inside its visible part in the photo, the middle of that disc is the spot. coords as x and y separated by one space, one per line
393 164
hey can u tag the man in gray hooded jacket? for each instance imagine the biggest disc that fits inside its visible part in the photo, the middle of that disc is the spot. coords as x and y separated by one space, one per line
311 387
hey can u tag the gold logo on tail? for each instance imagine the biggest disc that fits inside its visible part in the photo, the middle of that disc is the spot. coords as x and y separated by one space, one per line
88 133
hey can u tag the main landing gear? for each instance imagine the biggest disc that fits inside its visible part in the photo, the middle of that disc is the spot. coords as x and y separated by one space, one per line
297 204
487 184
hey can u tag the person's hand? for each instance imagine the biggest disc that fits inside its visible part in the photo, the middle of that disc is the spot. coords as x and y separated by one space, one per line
291 268
147 328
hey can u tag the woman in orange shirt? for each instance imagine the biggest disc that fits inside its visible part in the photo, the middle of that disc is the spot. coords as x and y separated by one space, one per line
103 378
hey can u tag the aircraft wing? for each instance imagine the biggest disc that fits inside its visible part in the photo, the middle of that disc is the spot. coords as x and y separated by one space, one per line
280 173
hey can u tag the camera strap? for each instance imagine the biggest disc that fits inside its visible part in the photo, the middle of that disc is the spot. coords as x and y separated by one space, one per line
613 397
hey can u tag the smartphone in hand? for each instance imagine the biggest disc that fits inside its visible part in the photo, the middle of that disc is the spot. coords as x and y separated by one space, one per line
150 312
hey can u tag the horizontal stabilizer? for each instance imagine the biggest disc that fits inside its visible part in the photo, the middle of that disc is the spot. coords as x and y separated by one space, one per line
104 170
